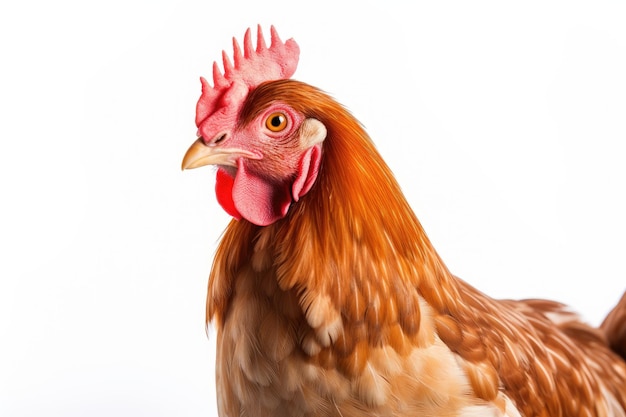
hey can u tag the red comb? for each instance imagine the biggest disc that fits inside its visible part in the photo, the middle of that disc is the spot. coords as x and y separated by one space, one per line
253 67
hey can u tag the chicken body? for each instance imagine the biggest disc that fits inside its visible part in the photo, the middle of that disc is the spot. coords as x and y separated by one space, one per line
333 302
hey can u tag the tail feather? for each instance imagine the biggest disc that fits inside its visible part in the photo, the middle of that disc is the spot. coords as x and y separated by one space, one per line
614 327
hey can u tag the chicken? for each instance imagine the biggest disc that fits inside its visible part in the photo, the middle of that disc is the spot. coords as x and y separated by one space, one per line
328 297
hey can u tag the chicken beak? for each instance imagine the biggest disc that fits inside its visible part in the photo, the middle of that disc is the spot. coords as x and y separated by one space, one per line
200 154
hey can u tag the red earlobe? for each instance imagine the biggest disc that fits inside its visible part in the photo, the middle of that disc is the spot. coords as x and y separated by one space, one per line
308 169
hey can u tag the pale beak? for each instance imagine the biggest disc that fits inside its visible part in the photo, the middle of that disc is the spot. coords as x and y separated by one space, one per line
199 154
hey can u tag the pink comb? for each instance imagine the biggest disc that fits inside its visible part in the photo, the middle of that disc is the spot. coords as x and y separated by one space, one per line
251 68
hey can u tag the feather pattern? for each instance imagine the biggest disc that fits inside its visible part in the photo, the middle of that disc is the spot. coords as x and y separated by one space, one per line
614 326
344 308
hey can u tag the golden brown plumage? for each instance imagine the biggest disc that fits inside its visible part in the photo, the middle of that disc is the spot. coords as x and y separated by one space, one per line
343 307
614 326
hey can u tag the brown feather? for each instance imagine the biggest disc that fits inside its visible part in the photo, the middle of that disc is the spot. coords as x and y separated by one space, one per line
614 327
344 308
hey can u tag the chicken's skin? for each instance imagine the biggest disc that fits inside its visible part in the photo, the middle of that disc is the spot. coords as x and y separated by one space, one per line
334 302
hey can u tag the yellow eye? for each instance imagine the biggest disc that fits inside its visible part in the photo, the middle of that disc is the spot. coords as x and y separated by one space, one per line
276 122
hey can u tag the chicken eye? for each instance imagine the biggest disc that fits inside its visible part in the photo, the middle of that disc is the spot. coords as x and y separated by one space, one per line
276 122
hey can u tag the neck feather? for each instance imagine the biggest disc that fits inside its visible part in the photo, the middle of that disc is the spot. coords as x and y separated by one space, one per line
353 239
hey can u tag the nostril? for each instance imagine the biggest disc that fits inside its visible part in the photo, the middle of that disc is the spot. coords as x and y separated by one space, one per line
219 139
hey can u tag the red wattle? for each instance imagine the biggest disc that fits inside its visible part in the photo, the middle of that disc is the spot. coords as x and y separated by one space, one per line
224 190
260 200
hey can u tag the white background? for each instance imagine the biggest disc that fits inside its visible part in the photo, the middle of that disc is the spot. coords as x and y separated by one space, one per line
504 124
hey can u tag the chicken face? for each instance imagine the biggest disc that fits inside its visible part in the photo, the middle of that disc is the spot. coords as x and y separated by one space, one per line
267 161
263 165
